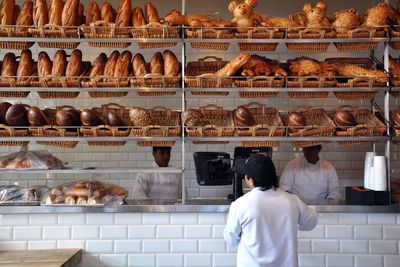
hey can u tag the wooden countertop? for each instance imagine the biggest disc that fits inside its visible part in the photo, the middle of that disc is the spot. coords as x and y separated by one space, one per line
41 257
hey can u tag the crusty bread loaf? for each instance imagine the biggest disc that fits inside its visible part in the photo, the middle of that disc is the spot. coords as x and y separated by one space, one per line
36 117
124 13
89 118
44 65
344 119
151 13
171 64
41 13
75 66
4 106
81 10
395 117
157 64
98 66
139 65
70 13
17 12
192 117
55 12
123 67
25 66
114 118
243 117
10 66
108 13
16 115
92 13
138 18
59 63
25 17
7 12
111 64
296 122
141 117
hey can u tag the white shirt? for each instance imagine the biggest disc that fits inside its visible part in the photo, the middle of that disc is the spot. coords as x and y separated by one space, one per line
264 224
157 185
310 181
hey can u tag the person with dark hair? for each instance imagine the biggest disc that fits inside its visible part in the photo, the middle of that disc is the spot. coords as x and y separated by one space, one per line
311 178
158 185
264 222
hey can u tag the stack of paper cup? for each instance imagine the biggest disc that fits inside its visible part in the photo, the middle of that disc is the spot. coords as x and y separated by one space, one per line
368 169
379 174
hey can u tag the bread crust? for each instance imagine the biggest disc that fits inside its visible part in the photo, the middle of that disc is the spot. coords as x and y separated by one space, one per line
25 17
98 66
171 64
108 13
7 12
25 66
138 18
151 13
93 13
55 12
123 66
111 64
157 64
59 64
41 13
124 14
44 65
70 13
139 65
75 66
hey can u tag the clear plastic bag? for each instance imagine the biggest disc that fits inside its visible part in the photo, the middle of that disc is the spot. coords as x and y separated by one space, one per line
35 159
14 194
87 193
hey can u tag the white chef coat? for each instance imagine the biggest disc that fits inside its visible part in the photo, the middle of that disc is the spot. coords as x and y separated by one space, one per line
310 181
157 185
264 224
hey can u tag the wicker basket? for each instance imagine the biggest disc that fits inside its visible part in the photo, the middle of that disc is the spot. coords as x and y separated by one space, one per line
358 82
209 33
106 130
105 81
218 123
13 82
52 131
157 81
359 33
395 33
309 81
104 29
156 31
309 33
259 81
269 124
200 74
318 123
15 31
156 143
259 33
7 131
367 125
54 31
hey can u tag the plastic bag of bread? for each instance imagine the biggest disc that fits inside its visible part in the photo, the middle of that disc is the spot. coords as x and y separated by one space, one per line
14 194
86 193
35 159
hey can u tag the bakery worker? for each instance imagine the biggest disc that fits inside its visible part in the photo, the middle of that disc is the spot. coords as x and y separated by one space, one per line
158 185
264 222
310 177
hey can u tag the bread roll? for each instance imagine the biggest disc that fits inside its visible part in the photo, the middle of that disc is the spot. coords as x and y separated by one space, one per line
59 63
243 117
89 118
70 13
36 117
25 17
98 66
296 122
25 66
157 64
55 12
344 119
4 106
124 13
123 67
92 13
111 64
138 18
139 66
17 12
41 13
171 64
10 66
75 66
44 65
151 13
108 13
192 117
7 12
16 115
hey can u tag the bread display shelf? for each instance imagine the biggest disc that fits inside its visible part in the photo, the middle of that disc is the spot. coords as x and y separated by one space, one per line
92 170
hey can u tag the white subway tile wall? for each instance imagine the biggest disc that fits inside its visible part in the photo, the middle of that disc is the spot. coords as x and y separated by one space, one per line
175 240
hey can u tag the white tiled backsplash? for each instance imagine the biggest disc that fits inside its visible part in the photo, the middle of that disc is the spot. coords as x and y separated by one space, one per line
195 239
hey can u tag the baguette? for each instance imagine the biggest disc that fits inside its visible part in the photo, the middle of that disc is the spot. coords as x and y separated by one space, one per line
74 66
70 13
59 63
98 66
108 13
123 66
111 64
44 66
138 18
139 66
151 13
17 12
9 67
7 12
157 64
25 66
124 14
41 13
25 17
171 64
55 12
93 13
81 10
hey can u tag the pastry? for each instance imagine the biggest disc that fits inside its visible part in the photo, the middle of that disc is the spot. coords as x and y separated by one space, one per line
345 20
352 70
124 13
376 16
171 64
41 13
55 12
139 66
70 13
140 117
243 117
157 64
151 13
93 13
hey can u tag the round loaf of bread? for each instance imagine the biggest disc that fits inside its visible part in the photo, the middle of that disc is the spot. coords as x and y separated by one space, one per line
192 117
4 106
296 121
16 115
74 115
89 118
243 117
141 117
344 119
36 117
61 118
113 118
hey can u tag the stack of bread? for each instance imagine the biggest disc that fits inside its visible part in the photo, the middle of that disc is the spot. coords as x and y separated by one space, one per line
14 73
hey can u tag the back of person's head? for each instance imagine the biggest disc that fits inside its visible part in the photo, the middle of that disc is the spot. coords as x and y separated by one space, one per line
262 170
161 149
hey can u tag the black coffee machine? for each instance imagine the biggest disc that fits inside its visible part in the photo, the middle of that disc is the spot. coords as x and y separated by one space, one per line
214 168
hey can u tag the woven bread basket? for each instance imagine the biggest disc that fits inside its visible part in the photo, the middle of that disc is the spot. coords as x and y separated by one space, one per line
259 33
54 31
15 31
259 81
7 131
209 33
309 33
359 33
103 29
155 31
